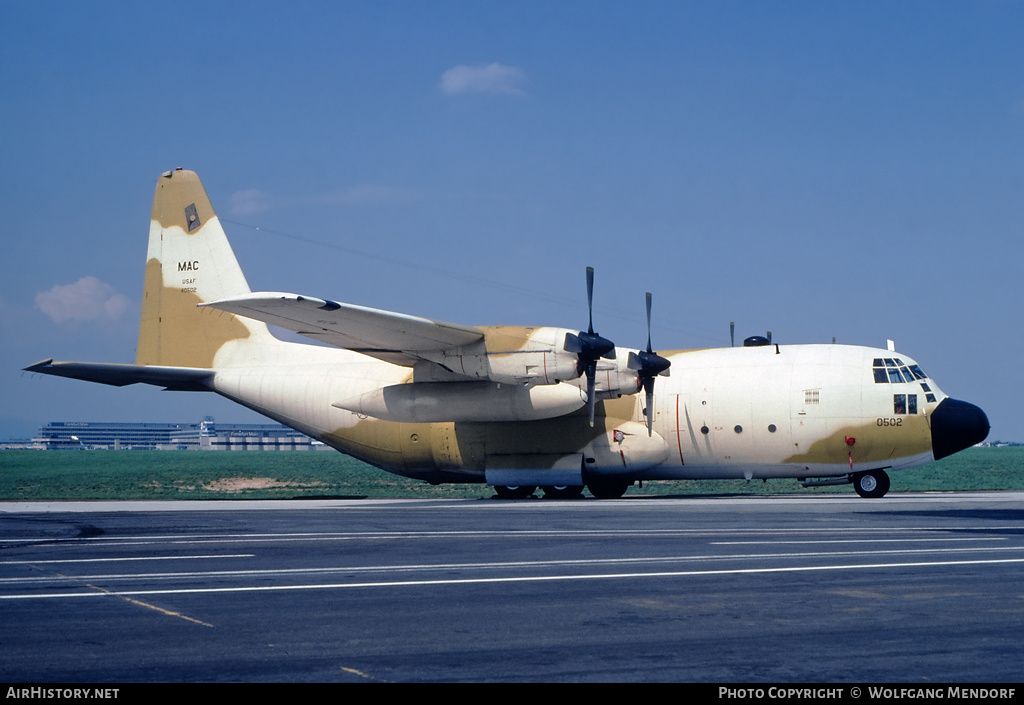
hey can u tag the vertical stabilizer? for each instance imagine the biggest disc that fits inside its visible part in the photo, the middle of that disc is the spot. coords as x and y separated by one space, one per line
189 262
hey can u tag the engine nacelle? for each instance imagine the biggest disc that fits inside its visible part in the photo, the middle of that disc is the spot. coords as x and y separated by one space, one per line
513 355
613 378
535 356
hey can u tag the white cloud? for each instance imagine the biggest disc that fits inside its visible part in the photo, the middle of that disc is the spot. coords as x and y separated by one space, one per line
88 299
485 78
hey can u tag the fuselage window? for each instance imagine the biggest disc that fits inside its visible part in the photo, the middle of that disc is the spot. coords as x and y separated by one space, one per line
899 403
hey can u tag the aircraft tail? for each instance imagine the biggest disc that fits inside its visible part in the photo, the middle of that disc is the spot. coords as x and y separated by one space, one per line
189 262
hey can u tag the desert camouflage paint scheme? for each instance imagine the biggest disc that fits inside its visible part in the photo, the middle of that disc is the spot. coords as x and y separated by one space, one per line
509 405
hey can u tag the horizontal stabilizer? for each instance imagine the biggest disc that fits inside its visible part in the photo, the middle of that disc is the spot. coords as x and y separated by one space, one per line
366 330
178 379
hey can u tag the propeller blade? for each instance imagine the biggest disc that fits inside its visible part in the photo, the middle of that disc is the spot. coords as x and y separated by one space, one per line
649 409
572 343
589 347
649 322
590 300
648 365
591 400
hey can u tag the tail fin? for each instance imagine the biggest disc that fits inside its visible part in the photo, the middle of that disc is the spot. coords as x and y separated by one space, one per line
190 262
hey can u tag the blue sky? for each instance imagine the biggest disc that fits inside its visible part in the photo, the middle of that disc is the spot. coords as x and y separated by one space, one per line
820 170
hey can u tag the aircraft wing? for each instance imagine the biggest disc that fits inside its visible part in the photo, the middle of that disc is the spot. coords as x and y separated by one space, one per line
394 337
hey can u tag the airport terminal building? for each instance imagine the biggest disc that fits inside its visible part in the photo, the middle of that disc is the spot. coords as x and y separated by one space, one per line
205 435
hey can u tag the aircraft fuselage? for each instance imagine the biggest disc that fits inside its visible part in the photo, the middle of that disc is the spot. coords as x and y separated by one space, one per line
518 406
750 412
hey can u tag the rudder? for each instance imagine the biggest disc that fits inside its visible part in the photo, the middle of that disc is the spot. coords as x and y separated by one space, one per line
189 261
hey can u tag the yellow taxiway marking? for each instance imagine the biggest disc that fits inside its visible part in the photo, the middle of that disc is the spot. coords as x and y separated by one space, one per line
140 603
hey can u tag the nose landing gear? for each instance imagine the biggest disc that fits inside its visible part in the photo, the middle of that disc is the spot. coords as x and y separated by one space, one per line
873 483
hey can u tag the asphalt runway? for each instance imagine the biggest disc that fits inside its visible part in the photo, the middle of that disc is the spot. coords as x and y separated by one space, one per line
831 589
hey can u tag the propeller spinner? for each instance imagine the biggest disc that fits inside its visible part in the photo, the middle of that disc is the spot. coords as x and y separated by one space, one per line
648 365
589 347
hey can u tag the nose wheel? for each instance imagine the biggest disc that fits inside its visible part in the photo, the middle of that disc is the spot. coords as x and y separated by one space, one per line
873 483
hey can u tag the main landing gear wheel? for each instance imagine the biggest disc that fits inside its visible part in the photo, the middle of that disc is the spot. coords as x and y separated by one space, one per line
873 483
514 491
562 491
608 489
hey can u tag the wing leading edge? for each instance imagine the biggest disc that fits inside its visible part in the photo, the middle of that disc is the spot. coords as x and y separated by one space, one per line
394 337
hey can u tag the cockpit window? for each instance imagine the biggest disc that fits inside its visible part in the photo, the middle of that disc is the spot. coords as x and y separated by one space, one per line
893 370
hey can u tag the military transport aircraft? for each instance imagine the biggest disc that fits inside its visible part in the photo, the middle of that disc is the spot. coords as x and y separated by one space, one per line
520 407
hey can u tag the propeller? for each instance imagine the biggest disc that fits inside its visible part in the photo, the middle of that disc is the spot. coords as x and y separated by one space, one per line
589 347
648 365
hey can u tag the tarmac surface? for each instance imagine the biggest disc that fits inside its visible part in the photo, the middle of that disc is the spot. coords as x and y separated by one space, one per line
911 588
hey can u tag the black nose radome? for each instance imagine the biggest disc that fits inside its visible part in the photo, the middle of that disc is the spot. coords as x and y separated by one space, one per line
957 425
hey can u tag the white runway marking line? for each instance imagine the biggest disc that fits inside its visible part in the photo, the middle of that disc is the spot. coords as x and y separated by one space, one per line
495 533
517 579
815 541
491 565
132 558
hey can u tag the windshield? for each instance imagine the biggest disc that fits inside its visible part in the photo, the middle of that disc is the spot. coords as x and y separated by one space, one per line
893 370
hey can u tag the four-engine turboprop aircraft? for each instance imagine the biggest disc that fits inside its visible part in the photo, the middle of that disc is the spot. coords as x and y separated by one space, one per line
520 407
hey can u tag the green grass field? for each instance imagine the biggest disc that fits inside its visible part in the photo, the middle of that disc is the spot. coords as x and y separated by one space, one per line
50 475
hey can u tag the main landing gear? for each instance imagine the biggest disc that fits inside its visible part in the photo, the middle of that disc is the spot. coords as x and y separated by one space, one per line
873 483
514 491
600 490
